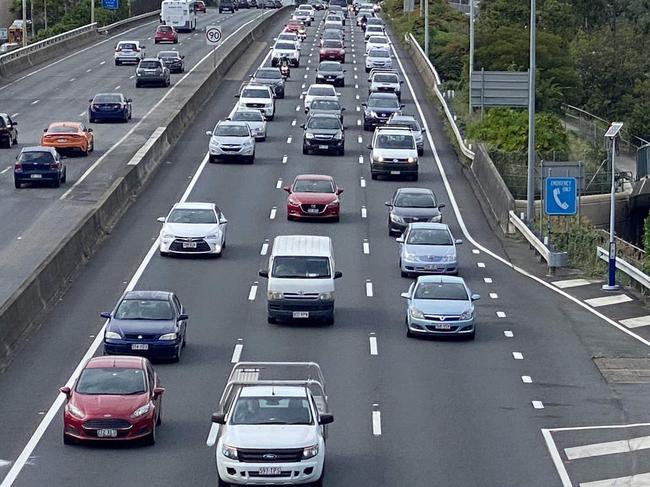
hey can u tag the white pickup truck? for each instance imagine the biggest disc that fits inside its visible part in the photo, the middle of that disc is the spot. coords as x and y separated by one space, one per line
271 423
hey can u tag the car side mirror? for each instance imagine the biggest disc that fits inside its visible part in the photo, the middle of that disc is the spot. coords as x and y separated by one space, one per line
263 273
406 295
105 314
89 130
338 274
65 390
143 47
158 391
237 95
90 100
441 206
424 131
208 132
459 241
400 239
339 191
161 219
325 419
219 418
388 203
182 317
129 100
304 93
44 130
183 56
287 189
338 94
401 82
369 146
476 297
223 220
302 126
364 104
402 105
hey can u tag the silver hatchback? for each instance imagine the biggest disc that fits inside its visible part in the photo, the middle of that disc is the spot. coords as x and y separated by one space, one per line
428 248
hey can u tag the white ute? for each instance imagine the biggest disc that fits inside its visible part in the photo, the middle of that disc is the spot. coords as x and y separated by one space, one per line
270 428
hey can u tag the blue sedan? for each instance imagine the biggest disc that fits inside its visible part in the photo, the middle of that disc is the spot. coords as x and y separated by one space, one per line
147 323
440 306
109 106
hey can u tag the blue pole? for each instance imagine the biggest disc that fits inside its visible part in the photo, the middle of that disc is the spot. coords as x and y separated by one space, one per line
611 275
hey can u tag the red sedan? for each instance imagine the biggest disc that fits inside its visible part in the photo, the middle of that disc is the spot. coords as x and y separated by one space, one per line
332 50
313 196
166 33
298 27
114 398
200 7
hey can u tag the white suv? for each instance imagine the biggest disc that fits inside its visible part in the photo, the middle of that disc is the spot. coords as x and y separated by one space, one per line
231 140
393 152
286 49
129 52
259 97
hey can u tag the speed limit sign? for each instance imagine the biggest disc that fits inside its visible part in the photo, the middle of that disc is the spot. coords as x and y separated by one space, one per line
212 35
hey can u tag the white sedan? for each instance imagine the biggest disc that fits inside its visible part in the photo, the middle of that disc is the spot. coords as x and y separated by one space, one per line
320 91
377 41
193 228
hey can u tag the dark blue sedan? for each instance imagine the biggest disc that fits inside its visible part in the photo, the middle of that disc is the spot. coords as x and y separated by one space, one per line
147 323
109 106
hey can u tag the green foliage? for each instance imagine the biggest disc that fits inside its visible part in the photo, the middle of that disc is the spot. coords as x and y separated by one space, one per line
639 103
580 240
506 129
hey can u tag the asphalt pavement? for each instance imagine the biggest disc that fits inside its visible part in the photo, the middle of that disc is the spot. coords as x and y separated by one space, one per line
407 413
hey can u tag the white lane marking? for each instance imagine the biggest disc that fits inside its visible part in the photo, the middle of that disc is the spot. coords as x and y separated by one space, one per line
538 404
364 211
31 445
137 157
517 355
305 76
356 96
369 292
253 291
366 246
82 114
297 108
96 164
376 422
359 122
362 182
103 62
360 159
70 80
289 139
5 169
284 159
88 70
236 353
526 379
501 314
274 211
373 344
4 463
212 435
608 300
567 283
303 86
555 456
15 114
358 108
356 86
307 68
265 247
293 123
608 448
360 139
132 76
487 280
35 102
117 87
356 76
494 296
481 264
355 68
75 53
508 333
636 322
639 480
278 185
476 251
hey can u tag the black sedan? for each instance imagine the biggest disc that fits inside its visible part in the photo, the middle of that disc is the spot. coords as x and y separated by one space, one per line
331 72
109 106
270 77
323 133
411 205
173 60
378 109
8 131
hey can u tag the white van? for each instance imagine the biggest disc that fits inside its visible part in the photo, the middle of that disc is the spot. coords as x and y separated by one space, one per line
301 277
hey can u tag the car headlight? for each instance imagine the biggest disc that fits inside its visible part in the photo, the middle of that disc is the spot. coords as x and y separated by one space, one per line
309 135
467 315
449 258
373 113
378 158
397 219
213 236
141 410
111 335
138 73
410 256
310 452
169 336
273 295
338 136
416 313
412 159
326 296
437 218
74 410
166 236
229 452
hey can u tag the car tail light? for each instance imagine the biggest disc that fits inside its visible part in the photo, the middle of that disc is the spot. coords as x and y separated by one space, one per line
322 51
18 167
54 165
136 49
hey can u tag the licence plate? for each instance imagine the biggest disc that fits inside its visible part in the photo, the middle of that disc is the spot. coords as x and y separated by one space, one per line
443 326
312 210
432 267
60 140
395 172
301 314
36 176
270 471
189 245
107 433
140 346
322 147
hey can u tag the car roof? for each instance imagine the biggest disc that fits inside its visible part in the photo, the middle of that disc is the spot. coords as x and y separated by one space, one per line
195 205
429 225
327 99
169 52
414 190
320 177
383 95
320 85
151 295
441 279
119 362
128 42
269 391
75 125
38 148
394 130
312 245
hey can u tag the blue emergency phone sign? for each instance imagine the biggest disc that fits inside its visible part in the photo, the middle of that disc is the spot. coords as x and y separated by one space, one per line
111 4
561 196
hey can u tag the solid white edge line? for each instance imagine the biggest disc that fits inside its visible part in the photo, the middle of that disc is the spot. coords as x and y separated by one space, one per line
463 226
556 458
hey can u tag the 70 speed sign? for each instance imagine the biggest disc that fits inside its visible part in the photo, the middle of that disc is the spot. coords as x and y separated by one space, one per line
212 35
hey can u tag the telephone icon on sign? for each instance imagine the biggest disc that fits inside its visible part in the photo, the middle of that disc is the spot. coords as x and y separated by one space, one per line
556 196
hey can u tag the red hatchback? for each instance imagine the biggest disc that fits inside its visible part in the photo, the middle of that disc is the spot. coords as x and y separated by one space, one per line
313 196
200 7
114 398
332 50
166 33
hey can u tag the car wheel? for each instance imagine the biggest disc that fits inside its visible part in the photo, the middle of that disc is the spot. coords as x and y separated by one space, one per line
212 158
366 128
65 175
420 152
177 357
16 139
373 175
221 483
18 185
404 274
414 177
56 183
472 335
155 42
126 118
271 117
137 85
271 320
341 151
117 63
305 150
85 152
7 144
92 145
163 254
150 439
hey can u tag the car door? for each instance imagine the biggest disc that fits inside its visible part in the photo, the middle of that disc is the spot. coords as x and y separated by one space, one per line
223 224
10 126
179 310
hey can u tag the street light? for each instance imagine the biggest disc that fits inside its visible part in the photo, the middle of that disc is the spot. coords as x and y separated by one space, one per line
471 51
532 160
612 133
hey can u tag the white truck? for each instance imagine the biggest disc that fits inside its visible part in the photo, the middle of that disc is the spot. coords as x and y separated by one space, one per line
271 425
180 14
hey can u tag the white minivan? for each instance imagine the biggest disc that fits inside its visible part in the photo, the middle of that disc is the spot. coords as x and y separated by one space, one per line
301 277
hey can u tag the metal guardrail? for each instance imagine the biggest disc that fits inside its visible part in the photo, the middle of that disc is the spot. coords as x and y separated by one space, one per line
461 143
534 242
23 51
624 266
120 23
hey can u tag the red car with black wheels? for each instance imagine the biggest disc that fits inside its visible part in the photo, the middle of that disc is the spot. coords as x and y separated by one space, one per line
115 398
199 6
332 50
313 196
166 33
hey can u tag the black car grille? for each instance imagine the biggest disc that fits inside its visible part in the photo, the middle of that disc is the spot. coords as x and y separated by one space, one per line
106 423
441 318
255 105
323 137
201 245
306 209
140 336
283 473
451 329
230 148
416 219
269 456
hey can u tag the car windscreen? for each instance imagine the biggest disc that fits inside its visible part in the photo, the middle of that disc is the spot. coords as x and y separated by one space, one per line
374 29
321 91
127 45
301 267
288 46
325 105
429 236
378 40
331 34
59 129
386 78
313 186
248 116
374 21
271 410
189 215
164 28
326 123
412 124
231 131
144 309
332 44
440 290
287 37
394 141
376 102
330 66
268 74
35 157
255 93
378 53
149 65
415 200
168 55
107 99
113 381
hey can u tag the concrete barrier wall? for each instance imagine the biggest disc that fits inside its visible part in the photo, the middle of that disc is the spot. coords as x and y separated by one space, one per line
56 273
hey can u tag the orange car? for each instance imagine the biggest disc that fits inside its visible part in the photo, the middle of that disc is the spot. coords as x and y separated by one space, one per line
69 136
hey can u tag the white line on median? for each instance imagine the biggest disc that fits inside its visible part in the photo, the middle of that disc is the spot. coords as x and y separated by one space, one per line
35 102
253 291
236 353
373 344
137 157
5 169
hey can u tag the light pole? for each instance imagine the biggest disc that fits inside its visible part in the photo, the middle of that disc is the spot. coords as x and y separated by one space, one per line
426 27
92 11
612 133
24 23
471 51
532 160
